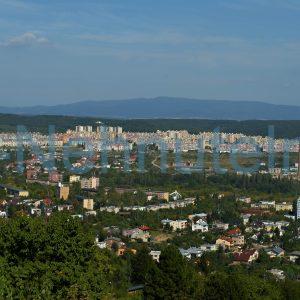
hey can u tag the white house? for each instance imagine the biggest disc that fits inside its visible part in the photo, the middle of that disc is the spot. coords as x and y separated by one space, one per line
220 225
177 224
155 255
246 218
185 253
202 216
192 252
209 247
36 211
200 225
3 214
175 196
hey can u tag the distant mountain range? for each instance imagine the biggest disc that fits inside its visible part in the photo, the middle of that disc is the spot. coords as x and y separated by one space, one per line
165 107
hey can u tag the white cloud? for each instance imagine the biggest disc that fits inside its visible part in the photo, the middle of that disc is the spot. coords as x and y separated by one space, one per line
162 37
26 39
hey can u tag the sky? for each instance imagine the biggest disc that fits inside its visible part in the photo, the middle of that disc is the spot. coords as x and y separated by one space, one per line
54 52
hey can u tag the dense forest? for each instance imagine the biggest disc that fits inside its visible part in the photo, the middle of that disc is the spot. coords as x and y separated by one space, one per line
283 129
42 258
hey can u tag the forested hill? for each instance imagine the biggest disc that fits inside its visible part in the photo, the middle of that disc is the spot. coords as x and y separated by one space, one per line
165 108
287 129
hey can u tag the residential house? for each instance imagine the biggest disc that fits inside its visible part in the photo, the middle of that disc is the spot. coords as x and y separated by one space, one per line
275 252
55 176
284 207
236 236
155 255
136 234
175 196
209 247
185 253
91 213
225 242
238 240
74 178
200 225
36 211
114 244
278 274
65 207
202 216
193 252
294 256
3 214
220 225
175 225
234 231
268 226
247 256
246 218
159 194
246 200
114 209
264 204
31 174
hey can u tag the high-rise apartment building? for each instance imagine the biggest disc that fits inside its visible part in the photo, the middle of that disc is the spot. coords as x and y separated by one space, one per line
88 204
89 183
298 209
81 128
63 191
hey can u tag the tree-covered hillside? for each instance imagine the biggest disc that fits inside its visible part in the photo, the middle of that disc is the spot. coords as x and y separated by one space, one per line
56 258
284 129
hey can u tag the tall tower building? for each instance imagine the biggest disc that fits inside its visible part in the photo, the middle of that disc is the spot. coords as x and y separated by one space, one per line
298 174
298 209
63 191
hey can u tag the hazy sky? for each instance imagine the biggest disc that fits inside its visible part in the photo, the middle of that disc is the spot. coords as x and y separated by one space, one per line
59 51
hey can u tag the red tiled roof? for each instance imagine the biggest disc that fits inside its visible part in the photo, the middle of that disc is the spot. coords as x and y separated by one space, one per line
47 201
243 256
234 231
144 228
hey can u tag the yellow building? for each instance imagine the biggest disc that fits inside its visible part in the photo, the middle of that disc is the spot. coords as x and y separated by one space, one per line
74 178
160 195
225 242
63 192
163 196
283 206
88 204
23 193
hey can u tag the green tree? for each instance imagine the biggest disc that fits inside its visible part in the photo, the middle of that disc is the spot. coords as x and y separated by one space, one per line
142 264
174 278
56 258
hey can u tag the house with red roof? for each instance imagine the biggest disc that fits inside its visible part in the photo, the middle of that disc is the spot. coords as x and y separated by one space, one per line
247 256
236 236
234 231
145 228
225 242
